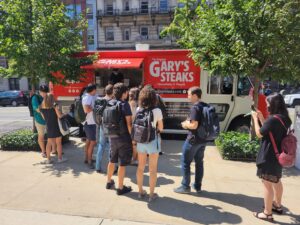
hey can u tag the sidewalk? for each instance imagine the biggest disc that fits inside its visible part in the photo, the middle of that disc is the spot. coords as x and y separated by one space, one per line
231 192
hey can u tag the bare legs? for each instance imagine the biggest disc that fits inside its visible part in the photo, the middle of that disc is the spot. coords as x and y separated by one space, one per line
89 148
153 159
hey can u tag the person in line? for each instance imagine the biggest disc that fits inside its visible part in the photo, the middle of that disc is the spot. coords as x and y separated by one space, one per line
103 141
193 148
268 167
121 147
147 100
133 102
116 77
50 112
89 125
39 121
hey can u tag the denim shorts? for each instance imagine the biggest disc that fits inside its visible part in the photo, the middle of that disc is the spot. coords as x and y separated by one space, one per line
151 147
90 131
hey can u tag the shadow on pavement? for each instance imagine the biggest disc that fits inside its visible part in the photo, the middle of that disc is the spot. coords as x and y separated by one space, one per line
253 204
191 211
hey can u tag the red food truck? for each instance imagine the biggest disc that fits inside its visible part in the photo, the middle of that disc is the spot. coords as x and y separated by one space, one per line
171 73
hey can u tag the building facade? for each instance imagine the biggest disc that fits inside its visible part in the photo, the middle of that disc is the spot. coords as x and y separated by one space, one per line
124 23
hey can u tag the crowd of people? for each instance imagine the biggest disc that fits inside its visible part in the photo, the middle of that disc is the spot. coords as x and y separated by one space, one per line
123 151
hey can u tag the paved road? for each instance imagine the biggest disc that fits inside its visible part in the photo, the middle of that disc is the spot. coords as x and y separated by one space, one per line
12 118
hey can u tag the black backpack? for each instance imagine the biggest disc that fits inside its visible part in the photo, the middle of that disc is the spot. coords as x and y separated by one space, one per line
142 129
113 121
79 113
209 127
98 110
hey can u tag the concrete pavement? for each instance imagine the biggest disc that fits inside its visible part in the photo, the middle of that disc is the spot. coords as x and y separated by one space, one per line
70 193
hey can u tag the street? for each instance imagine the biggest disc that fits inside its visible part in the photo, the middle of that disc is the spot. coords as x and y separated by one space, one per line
13 118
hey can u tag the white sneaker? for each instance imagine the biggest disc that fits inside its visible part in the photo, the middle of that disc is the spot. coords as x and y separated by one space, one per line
62 160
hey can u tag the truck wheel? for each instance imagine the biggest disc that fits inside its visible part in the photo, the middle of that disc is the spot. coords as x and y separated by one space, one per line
14 103
242 126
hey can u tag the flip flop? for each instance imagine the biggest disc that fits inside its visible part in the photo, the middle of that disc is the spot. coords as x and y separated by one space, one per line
266 217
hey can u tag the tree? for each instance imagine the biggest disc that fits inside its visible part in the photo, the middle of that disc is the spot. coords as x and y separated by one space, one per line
38 37
258 38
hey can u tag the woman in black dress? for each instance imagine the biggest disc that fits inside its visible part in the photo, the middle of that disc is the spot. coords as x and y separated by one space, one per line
268 167
51 113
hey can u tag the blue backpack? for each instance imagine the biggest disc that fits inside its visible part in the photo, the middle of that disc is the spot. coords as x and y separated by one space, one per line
209 127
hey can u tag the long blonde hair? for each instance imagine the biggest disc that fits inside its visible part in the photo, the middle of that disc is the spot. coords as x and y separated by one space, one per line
48 101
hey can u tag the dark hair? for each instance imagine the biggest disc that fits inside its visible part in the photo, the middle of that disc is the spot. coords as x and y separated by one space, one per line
134 94
44 88
196 91
119 90
90 88
277 105
109 89
147 98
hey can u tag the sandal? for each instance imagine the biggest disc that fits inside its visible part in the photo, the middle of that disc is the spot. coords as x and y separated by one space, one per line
264 216
153 197
278 210
142 195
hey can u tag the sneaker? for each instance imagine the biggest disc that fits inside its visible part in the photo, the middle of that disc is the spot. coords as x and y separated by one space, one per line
124 190
161 153
182 190
62 160
44 155
86 162
99 171
110 185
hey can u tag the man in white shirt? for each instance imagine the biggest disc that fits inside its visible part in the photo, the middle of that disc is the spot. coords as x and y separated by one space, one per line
89 124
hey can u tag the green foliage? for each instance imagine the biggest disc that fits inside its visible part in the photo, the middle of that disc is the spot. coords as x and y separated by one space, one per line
38 38
23 139
237 146
254 37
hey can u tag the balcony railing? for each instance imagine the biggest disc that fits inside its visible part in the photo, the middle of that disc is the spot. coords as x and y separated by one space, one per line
135 11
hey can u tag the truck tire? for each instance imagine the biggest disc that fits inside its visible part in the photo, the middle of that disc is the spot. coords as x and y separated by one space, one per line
240 125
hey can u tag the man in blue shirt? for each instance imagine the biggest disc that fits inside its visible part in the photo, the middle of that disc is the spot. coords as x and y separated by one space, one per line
40 123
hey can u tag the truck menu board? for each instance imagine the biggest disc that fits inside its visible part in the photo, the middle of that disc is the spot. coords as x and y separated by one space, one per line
171 75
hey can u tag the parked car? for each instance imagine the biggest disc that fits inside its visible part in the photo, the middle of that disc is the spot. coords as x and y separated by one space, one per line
292 100
13 98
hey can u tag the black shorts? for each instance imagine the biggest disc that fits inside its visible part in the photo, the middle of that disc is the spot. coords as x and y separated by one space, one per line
90 131
120 150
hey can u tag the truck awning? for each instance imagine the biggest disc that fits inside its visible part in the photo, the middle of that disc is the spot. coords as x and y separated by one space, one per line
118 63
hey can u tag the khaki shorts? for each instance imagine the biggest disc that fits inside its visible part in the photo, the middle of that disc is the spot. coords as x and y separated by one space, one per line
41 129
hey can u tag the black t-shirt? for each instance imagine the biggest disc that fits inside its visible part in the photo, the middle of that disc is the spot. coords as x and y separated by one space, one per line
266 155
195 114
116 78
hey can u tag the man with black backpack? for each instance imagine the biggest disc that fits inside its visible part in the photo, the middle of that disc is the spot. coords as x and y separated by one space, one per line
117 125
193 147
103 142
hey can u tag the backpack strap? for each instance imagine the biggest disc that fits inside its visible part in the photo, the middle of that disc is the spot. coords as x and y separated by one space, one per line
274 144
281 121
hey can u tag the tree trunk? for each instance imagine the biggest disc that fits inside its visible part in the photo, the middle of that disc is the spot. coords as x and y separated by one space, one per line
255 100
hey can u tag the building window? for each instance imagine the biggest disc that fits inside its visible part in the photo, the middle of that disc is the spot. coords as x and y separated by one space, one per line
144 33
109 34
91 23
163 5
126 34
144 6
14 83
90 37
160 29
109 9
89 11
126 5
